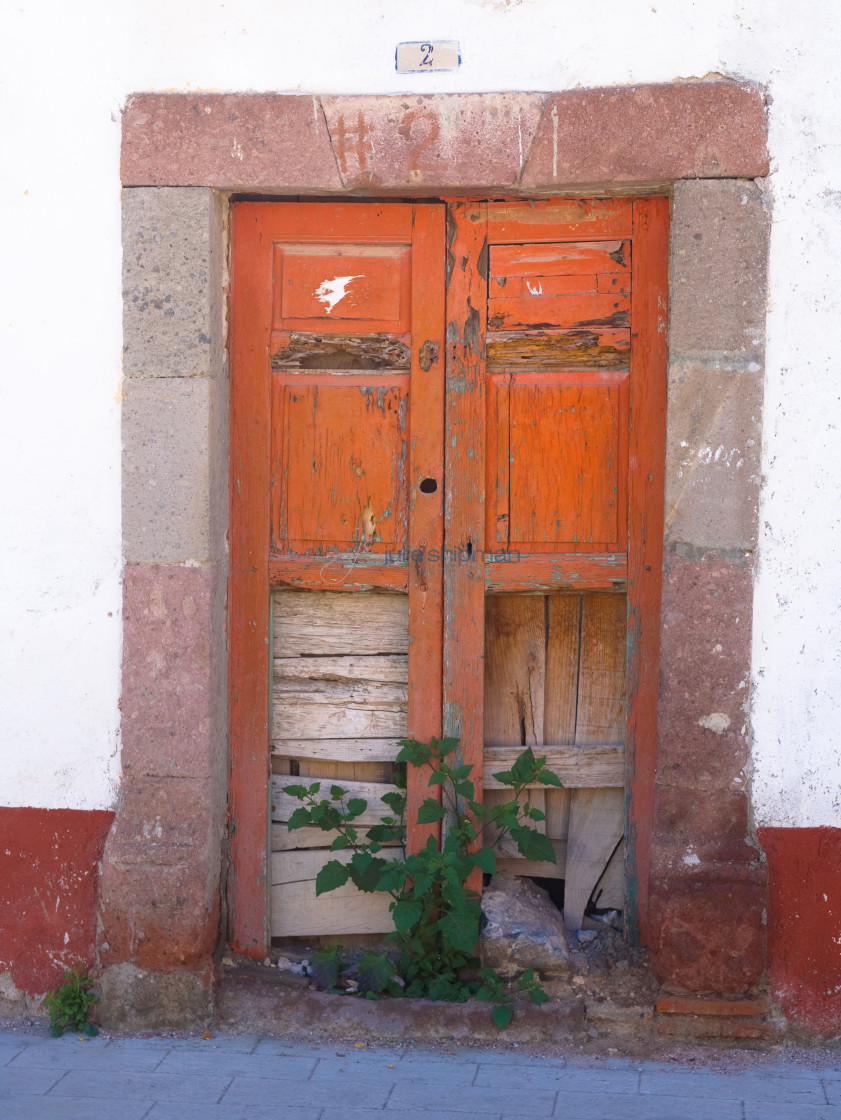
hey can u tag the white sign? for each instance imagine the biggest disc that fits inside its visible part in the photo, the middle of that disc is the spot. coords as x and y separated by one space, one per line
428 56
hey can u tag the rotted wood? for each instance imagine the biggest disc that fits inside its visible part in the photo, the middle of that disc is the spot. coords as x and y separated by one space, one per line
330 623
555 350
307 350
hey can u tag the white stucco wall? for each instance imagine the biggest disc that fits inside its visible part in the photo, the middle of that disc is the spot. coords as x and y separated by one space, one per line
66 72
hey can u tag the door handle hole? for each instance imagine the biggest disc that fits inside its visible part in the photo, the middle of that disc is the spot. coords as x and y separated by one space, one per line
428 486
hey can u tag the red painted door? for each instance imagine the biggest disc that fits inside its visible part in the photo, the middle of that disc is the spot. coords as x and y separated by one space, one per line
445 463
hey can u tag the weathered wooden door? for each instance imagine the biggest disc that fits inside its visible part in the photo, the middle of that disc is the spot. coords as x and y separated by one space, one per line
446 517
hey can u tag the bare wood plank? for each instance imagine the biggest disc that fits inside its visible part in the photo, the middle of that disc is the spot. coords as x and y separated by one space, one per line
562 653
307 350
392 668
551 572
283 804
283 840
296 911
557 813
596 822
345 771
542 869
601 681
610 894
515 652
342 750
378 710
577 767
331 622
597 348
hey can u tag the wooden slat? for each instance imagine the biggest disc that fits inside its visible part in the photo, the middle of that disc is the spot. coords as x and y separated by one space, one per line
573 312
283 804
551 572
560 219
248 618
557 813
610 893
340 572
600 716
515 660
464 584
426 520
596 821
304 838
645 499
595 348
582 258
296 911
562 651
373 668
336 711
342 750
577 767
331 623
543 869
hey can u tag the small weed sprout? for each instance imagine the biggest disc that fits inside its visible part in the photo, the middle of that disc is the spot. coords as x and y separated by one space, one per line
69 1005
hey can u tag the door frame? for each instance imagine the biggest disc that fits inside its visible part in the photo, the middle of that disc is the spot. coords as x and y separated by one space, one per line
457 691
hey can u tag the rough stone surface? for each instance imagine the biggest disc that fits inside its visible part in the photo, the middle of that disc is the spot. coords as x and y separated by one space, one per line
173 709
718 268
171 481
523 928
630 135
230 141
173 258
650 133
713 447
450 140
705 635
693 826
708 932
253 1004
133 999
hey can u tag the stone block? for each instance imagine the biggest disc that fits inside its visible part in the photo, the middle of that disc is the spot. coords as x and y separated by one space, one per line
708 933
170 479
649 133
449 140
705 636
692 827
718 268
522 928
232 141
173 276
160 875
133 999
172 706
713 447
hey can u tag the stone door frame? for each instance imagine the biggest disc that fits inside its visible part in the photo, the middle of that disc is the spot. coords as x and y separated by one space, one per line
701 143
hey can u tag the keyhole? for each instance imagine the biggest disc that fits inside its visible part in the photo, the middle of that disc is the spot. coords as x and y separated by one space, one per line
428 486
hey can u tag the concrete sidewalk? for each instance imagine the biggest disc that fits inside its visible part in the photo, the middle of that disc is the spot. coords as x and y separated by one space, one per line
238 1077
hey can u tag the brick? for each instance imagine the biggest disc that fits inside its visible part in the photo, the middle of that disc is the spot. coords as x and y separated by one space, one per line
718 267
173 260
230 141
713 448
649 133
700 1027
678 1005
171 480
172 706
461 140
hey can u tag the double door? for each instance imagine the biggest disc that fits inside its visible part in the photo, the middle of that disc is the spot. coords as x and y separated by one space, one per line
446 516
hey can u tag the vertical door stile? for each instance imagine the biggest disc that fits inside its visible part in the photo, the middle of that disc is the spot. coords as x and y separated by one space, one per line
248 599
464 517
426 522
645 535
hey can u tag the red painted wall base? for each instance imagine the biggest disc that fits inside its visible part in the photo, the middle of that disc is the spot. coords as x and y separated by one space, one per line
48 869
804 924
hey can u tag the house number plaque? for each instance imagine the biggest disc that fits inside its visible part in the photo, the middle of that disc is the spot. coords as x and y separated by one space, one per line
428 56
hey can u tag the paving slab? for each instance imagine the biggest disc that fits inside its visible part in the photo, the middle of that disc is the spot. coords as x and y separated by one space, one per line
140 1086
91 1055
755 1110
267 1091
187 1063
27 1082
746 1087
567 1080
44 1108
477 1100
633 1106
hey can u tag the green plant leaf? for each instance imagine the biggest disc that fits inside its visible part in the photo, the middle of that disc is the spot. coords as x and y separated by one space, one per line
460 929
331 876
298 819
447 745
396 802
502 1015
485 859
393 878
339 844
430 812
533 845
296 791
538 995
356 806
413 752
325 967
337 793
548 778
375 973
406 914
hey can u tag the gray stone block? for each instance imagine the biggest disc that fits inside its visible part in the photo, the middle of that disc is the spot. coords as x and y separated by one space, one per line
170 482
173 274
713 447
718 266
135 1000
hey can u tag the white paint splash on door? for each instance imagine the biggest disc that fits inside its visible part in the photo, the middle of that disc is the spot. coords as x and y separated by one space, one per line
329 292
